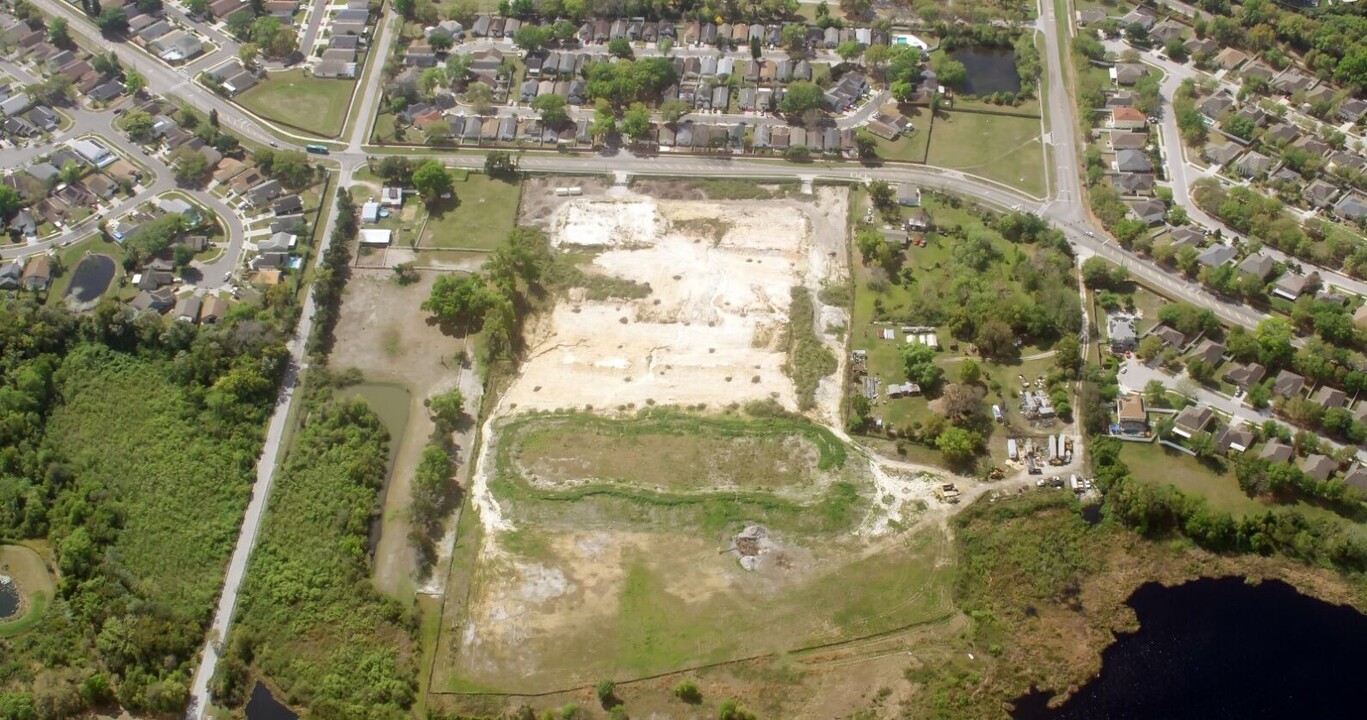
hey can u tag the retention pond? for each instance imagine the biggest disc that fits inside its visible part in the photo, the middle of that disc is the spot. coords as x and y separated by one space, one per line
1221 648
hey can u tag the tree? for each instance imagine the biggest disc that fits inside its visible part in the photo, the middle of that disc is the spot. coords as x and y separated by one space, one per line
10 202
552 109
532 37
620 47
190 165
112 21
239 23
1149 348
882 195
432 181
958 445
756 50
447 410
405 8
606 690
865 145
996 339
247 53
71 172
499 164
1176 50
849 51
671 111
793 38
802 96
949 72
107 64
138 124
604 122
458 299
687 691
919 362
431 79
58 33
134 82
441 41
1068 353
732 710
480 97
290 167
198 8
636 121
970 372
959 403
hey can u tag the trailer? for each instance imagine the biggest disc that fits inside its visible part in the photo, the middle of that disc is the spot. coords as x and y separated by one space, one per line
1011 448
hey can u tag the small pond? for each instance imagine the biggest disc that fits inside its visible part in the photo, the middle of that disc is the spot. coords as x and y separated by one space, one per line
9 597
1220 648
91 278
263 706
990 70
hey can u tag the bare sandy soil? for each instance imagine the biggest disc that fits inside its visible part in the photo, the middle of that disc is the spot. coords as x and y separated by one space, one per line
710 332
382 333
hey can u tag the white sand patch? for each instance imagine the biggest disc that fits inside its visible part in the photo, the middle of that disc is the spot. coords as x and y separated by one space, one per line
707 332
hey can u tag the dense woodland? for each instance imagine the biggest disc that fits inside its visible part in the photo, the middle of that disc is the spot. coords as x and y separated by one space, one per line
128 447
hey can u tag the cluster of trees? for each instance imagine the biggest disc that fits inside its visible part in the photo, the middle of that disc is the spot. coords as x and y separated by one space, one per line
331 278
495 299
121 432
1158 510
266 33
290 167
624 82
1252 213
308 616
1332 42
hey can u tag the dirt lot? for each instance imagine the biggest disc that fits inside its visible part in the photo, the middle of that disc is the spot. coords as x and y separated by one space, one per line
383 333
711 330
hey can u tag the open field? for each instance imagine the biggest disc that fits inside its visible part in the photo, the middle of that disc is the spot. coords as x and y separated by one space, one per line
404 360
1154 463
713 335
999 147
485 212
313 105
605 570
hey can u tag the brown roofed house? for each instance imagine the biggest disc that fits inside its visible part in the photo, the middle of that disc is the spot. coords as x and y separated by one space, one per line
1319 467
1130 415
1328 397
1191 420
1276 452
1288 384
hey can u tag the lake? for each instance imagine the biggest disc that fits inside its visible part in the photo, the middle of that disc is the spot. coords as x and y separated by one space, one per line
1220 648
9 597
262 705
990 70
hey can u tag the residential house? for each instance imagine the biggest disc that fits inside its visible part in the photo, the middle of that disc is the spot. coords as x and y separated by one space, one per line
1356 477
1120 330
1132 161
11 275
212 310
1318 467
1216 255
1191 420
1329 397
1142 16
1352 208
1292 286
1216 105
1238 438
38 273
1201 46
1150 212
1320 194
1170 336
1130 415
158 301
1222 153
1209 352
1253 164
1128 73
1128 118
1166 31
1277 453
1186 236
1352 109
1245 374
187 309
1258 265
1287 384
1230 58
1134 183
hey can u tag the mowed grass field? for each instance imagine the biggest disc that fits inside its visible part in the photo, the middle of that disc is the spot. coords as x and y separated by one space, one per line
999 147
605 580
485 211
311 104
36 587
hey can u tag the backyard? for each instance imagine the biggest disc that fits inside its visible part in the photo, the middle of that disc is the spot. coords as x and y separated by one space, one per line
484 211
306 103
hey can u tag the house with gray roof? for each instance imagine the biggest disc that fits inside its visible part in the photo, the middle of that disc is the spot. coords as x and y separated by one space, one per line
1352 208
1216 255
1258 265
1318 467
1132 161
1287 384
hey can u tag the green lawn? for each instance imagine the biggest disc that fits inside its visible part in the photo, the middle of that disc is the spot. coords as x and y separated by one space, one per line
1002 148
71 255
485 211
1155 463
911 146
312 105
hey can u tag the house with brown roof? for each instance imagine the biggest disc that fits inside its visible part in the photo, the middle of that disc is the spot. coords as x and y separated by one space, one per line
1356 477
212 310
1128 118
1170 336
1245 374
1230 58
1318 467
1329 397
1276 452
1209 352
1238 438
38 273
1130 415
1192 419
1287 384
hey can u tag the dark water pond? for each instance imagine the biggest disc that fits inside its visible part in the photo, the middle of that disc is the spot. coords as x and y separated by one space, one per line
263 706
9 599
91 278
1220 648
990 70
